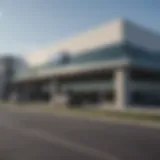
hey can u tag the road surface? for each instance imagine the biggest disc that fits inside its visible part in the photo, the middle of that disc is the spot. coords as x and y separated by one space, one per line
40 136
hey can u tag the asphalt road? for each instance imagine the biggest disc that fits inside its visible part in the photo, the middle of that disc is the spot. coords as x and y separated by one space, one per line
38 136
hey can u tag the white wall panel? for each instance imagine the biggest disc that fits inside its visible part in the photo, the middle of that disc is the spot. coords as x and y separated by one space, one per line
110 33
104 35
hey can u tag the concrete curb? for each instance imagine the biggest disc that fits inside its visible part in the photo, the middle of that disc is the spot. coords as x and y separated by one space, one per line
148 124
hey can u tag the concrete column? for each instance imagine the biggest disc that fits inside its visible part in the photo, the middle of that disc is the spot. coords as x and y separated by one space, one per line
13 96
122 90
52 88
16 95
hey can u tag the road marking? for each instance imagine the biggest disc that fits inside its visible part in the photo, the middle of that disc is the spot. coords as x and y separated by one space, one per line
63 142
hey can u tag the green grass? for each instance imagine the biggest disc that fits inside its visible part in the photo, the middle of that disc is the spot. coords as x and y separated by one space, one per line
88 112
127 115
120 114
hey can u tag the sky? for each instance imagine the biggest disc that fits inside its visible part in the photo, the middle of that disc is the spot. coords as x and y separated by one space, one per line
28 25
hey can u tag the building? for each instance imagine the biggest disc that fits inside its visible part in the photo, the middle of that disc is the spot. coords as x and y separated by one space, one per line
9 65
117 63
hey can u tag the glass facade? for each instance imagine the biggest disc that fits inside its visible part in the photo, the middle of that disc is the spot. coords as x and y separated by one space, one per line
145 87
138 53
144 75
89 86
103 54
8 67
100 54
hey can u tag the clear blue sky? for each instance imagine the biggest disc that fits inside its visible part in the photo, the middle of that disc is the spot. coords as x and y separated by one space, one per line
27 25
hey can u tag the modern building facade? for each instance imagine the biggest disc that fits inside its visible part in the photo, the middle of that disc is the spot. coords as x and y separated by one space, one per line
9 65
117 63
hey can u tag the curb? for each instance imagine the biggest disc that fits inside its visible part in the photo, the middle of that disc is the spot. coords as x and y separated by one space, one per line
148 124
